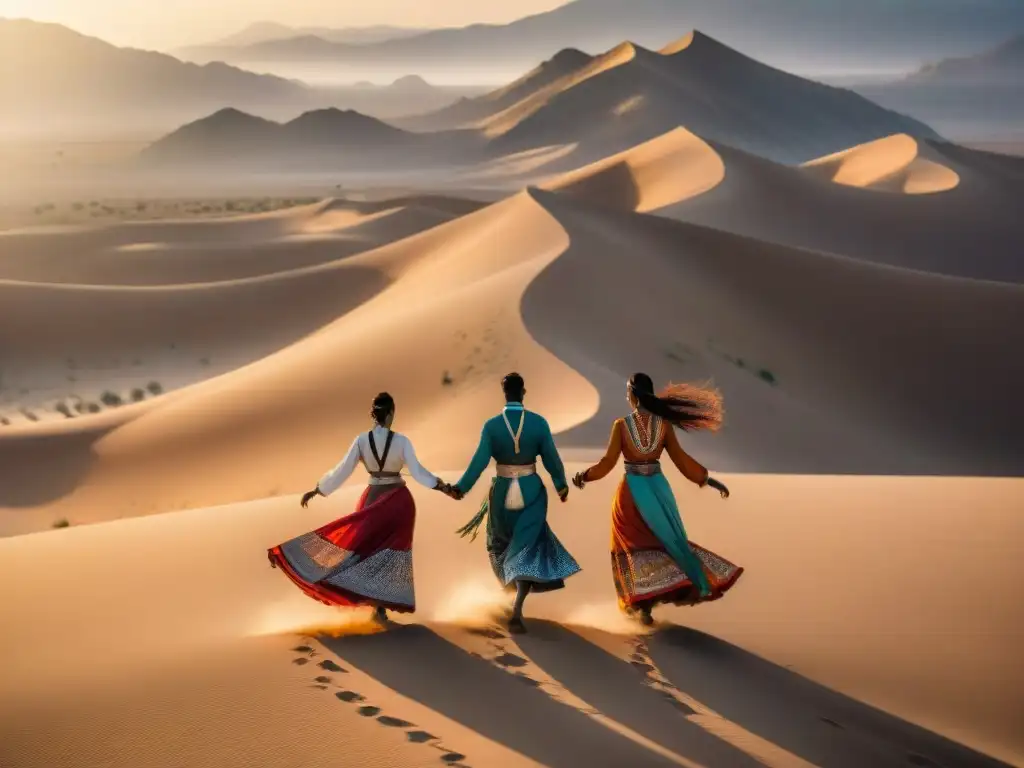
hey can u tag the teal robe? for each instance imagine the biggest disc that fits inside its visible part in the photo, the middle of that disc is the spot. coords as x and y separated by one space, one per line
520 543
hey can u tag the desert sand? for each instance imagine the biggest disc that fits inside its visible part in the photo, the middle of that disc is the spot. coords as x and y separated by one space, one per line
168 387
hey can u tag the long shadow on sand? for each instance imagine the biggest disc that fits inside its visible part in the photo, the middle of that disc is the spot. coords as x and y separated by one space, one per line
807 719
419 664
66 459
619 691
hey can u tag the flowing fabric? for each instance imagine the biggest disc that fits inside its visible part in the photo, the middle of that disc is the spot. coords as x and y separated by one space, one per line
653 560
362 559
520 544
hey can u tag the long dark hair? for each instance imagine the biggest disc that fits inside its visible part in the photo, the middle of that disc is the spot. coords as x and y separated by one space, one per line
687 406
383 405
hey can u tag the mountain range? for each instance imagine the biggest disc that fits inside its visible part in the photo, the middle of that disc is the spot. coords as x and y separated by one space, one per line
263 31
807 36
593 105
55 79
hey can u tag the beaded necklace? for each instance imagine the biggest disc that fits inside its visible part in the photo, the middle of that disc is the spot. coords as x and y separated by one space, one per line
644 437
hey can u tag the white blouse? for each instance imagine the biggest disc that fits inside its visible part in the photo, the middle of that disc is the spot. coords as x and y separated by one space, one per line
400 455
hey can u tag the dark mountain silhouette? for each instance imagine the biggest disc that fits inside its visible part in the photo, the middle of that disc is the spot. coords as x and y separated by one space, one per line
320 138
49 68
262 31
799 35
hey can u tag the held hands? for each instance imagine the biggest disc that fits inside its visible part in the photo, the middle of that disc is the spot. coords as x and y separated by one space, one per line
449 490
720 487
309 495
579 480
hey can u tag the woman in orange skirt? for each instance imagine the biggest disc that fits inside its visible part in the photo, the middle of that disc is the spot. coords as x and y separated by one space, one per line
653 560
364 558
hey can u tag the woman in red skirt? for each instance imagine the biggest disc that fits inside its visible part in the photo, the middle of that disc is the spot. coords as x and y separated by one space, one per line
366 557
653 560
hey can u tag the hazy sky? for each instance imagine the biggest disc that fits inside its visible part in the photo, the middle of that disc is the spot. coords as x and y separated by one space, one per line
168 23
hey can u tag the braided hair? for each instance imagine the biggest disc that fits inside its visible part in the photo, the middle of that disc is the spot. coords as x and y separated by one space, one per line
687 406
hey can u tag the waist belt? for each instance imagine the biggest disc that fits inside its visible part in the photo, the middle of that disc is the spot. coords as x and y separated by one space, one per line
646 468
516 470
386 478
514 495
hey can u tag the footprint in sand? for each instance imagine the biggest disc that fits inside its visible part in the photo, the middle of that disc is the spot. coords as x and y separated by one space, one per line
510 660
322 679
350 696
330 666
300 661
393 722
369 711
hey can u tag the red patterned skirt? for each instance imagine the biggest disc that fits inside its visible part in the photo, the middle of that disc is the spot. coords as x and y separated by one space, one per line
644 572
363 559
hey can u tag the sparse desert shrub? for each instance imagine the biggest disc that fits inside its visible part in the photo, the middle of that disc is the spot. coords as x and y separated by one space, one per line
111 399
92 407
138 395
62 523
446 379
768 376
155 388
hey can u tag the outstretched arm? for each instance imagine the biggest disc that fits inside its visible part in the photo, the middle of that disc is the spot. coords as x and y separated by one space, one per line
331 481
476 467
552 461
419 474
610 458
690 468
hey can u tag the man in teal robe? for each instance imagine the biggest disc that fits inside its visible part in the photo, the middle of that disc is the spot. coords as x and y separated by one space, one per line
524 552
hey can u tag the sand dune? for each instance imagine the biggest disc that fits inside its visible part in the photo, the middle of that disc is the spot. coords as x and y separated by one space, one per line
630 94
215 250
895 163
699 302
659 173
970 230
451 308
192 641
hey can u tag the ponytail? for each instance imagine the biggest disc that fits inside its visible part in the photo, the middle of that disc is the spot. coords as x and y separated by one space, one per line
687 406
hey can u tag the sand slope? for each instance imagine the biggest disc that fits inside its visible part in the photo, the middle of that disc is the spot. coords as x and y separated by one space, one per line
199 657
968 230
452 305
895 163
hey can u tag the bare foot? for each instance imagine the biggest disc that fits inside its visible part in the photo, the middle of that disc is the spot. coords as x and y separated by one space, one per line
516 626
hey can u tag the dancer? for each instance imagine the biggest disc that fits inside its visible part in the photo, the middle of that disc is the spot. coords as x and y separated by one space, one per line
366 557
652 560
524 553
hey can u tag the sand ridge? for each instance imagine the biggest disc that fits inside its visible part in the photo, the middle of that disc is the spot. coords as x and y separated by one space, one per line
895 163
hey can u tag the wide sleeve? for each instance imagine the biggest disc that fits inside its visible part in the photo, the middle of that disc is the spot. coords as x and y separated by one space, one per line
551 460
691 469
479 463
419 474
610 458
330 482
